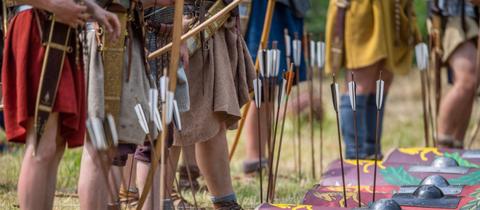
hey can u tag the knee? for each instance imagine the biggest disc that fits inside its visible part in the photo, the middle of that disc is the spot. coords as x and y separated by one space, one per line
45 157
467 83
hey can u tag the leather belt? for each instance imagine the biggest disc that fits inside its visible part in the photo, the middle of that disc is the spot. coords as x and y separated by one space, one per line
56 43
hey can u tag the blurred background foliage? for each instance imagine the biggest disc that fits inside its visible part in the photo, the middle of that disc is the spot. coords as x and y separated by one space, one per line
316 17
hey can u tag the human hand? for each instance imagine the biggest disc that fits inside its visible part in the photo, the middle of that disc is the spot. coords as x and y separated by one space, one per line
69 12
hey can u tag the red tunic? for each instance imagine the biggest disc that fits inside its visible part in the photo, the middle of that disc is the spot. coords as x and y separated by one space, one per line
23 58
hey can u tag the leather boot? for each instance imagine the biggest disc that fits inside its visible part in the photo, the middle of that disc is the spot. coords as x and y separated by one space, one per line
371 123
347 126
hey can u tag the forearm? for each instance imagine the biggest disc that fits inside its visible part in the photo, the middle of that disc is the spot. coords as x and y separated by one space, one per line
151 3
41 4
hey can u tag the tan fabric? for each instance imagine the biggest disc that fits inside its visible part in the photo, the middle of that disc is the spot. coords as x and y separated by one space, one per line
133 92
219 86
370 35
454 34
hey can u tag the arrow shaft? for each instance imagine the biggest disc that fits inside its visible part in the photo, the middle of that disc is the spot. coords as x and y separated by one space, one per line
357 149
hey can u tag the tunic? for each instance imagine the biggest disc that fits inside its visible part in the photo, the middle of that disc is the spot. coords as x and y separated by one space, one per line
370 35
219 85
134 91
23 58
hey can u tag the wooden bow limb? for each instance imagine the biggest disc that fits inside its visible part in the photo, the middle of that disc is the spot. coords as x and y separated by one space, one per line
160 147
263 45
289 78
195 30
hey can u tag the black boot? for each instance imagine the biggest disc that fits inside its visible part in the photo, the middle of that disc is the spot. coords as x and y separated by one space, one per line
371 119
347 126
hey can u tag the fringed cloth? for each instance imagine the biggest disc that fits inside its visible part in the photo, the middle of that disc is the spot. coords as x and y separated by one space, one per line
219 85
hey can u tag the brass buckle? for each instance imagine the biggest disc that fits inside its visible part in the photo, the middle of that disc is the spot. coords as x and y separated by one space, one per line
342 3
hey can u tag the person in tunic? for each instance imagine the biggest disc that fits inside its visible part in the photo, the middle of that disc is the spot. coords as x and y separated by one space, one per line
23 57
459 35
287 15
135 85
374 40
219 81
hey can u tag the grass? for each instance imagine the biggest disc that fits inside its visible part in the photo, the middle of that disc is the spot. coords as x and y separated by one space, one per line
402 128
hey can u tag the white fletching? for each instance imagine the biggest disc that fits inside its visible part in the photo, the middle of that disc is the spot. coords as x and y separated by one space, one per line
99 133
176 116
163 88
278 53
421 55
313 54
169 105
352 92
288 46
157 120
379 93
261 62
269 63
141 118
113 129
282 91
91 133
153 101
335 91
320 55
257 90
297 52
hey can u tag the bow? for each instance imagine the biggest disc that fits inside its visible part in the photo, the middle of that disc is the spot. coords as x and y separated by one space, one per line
167 105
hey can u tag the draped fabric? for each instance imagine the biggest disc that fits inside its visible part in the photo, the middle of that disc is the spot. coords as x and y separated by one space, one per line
219 84
370 35
21 70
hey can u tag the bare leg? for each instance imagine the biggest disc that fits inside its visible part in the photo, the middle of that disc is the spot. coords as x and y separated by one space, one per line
188 157
366 78
212 159
142 171
129 174
91 180
456 106
35 185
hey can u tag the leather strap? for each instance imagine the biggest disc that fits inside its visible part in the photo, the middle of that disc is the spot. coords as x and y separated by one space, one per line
339 35
113 54
56 42
195 43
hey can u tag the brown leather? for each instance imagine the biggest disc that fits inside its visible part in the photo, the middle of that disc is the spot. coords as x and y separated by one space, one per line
338 35
56 41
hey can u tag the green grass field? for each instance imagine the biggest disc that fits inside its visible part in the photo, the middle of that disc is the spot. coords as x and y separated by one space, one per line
403 127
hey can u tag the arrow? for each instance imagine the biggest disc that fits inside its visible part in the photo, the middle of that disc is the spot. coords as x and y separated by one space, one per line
334 89
97 137
167 104
297 55
421 55
257 87
289 76
320 61
352 92
380 86
263 45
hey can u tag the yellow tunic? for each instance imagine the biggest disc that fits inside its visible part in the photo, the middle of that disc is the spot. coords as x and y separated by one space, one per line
370 35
